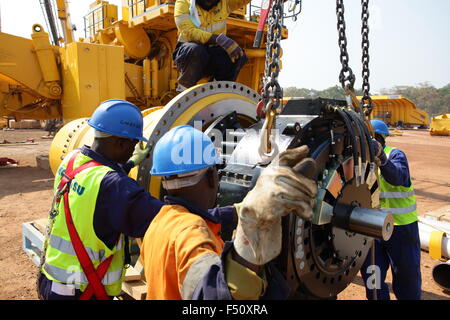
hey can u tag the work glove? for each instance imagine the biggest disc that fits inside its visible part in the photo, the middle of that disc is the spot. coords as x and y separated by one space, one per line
279 191
139 154
381 158
230 46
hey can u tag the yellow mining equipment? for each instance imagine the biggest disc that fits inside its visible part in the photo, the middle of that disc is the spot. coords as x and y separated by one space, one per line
127 59
396 110
440 125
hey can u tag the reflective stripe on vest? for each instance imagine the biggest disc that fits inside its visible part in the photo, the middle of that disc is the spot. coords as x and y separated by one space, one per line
67 247
196 273
397 200
396 195
182 18
78 277
400 210
215 27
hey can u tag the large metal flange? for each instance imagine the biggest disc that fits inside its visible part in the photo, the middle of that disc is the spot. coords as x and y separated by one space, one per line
202 104
327 258
69 137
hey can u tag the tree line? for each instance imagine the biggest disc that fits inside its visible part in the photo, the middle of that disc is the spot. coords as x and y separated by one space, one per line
433 100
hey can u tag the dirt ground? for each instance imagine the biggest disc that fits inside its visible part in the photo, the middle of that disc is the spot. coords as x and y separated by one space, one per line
26 194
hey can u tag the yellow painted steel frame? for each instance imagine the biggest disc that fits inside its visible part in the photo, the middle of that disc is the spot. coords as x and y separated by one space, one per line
92 73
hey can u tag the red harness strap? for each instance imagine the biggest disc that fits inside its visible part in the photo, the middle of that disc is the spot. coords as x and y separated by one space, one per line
95 286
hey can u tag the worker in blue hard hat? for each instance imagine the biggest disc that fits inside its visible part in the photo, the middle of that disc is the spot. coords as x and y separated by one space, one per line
87 250
184 255
402 251
97 205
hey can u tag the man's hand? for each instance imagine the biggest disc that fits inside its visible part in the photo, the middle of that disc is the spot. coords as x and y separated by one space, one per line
279 191
230 46
381 158
139 154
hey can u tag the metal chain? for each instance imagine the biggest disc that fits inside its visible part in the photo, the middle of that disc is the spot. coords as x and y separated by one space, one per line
366 99
272 89
51 219
295 9
272 92
346 76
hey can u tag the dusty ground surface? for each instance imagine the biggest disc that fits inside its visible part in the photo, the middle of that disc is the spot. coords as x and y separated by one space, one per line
26 194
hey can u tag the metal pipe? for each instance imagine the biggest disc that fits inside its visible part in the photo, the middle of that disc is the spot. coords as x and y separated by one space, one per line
147 78
369 222
424 234
154 77
441 272
441 275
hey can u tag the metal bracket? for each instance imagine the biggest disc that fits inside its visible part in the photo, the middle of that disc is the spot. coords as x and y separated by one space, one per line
32 242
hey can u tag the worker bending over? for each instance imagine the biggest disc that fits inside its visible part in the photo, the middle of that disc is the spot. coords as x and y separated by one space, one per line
203 49
85 259
402 250
184 255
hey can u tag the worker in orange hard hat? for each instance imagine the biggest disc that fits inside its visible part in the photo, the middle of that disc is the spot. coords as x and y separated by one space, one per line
184 255
203 48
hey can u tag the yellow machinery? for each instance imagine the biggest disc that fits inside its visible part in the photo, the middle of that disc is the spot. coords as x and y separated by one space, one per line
396 110
128 59
440 125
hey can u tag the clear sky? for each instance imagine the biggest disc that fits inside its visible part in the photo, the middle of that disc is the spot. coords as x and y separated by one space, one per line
409 40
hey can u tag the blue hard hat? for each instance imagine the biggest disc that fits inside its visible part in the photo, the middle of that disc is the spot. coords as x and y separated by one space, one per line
183 149
119 118
379 126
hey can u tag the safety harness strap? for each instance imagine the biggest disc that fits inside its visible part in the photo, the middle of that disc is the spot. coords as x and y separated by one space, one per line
95 287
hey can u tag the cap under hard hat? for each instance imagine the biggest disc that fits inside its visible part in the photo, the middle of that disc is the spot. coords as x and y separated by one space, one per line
119 118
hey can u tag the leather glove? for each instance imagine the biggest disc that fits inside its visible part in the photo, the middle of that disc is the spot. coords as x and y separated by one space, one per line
230 46
381 158
279 191
139 153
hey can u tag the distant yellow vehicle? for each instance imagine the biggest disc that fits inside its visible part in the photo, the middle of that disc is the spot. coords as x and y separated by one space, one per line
440 125
396 110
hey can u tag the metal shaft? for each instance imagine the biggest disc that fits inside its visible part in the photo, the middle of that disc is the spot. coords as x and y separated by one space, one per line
369 222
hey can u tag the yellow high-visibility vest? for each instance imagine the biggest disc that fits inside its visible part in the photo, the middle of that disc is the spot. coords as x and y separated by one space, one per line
398 200
61 262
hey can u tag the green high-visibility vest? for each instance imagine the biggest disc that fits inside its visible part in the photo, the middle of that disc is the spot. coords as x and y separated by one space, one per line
61 262
398 200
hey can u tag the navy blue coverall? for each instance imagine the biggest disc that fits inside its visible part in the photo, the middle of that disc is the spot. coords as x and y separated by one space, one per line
402 251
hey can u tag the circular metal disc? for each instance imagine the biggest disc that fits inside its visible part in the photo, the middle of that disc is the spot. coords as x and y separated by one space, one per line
199 105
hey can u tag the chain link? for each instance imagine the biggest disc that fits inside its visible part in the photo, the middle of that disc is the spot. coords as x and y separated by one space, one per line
366 99
272 92
272 89
346 76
